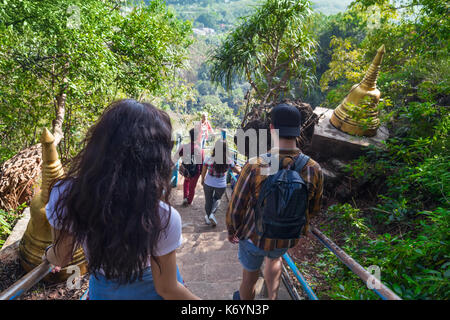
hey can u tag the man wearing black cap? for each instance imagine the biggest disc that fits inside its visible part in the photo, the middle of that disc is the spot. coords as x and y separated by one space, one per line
241 219
287 120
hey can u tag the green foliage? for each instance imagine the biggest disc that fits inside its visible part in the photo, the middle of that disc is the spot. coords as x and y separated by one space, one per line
406 230
414 164
240 6
330 7
415 34
197 76
81 55
221 116
5 227
434 175
345 64
207 20
414 265
205 88
347 226
351 220
218 15
222 17
268 49
7 220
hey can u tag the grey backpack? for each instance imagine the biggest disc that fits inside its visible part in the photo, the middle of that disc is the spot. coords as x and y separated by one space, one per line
280 211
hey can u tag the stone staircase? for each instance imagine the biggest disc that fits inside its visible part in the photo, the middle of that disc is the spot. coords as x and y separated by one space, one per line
208 262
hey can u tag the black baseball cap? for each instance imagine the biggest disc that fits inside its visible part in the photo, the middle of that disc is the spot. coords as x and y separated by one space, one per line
287 119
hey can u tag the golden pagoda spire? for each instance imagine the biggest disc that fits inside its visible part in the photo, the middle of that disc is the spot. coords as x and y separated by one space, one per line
38 234
357 114
51 165
370 79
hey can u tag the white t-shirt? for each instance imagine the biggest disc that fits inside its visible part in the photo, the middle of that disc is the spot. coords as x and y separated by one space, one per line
216 181
170 239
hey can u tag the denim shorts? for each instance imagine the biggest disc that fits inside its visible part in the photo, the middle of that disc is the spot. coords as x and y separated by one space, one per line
102 289
252 257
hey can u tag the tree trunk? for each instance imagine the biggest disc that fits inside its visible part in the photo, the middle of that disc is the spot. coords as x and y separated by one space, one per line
18 174
60 112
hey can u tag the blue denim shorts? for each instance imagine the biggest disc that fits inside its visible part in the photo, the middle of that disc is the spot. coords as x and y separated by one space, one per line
102 289
252 257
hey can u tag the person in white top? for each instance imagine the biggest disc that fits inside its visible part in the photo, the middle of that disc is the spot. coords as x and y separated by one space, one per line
114 202
204 129
214 179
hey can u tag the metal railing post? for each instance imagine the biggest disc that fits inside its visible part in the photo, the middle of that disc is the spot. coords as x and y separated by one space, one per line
300 278
383 291
174 180
289 285
27 281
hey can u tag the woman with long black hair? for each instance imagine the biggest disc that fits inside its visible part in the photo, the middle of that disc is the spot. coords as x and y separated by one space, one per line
114 202
214 179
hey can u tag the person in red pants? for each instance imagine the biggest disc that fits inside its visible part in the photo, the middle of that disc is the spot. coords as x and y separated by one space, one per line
191 167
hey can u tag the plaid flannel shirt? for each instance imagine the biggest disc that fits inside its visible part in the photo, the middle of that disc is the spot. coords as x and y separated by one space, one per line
209 164
240 216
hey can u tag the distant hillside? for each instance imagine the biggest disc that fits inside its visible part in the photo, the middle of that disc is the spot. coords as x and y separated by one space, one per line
327 7
330 6
219 16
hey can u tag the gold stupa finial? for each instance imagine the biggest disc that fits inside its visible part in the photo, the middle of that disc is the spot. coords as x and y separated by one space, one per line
38 234
357 114
51 165
370 79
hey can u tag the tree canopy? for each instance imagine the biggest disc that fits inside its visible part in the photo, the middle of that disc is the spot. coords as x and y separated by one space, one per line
410 214
268 49
66 59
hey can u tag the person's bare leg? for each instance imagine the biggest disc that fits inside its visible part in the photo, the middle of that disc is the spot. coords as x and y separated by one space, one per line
248 284
272 275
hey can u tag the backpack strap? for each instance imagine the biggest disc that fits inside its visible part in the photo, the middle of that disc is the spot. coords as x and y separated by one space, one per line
267 158
301 161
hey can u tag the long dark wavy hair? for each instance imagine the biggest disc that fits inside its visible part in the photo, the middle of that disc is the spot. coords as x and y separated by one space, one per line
220 164
114 188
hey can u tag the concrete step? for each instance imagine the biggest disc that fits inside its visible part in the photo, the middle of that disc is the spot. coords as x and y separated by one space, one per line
208 262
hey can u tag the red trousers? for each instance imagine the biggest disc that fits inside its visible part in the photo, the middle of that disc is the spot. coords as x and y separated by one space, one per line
189 187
